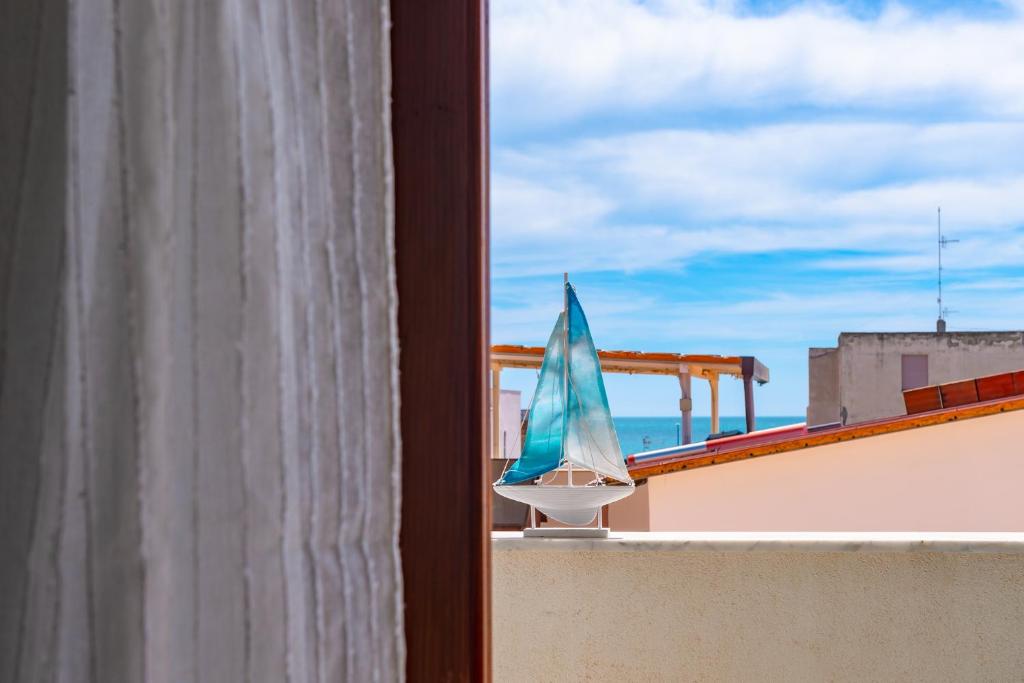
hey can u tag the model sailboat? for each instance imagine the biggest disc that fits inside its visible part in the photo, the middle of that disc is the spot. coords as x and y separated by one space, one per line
570 428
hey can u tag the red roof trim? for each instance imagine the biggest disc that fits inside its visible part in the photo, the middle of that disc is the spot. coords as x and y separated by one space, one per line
720 455
963 392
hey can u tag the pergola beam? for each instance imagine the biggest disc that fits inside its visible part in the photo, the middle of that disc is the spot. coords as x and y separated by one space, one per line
638 362
683 366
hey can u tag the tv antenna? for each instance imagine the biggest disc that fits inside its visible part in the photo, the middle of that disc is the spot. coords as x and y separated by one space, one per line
940 324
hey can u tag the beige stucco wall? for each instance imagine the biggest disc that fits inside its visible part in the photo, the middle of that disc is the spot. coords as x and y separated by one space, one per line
632 513
870 369
958 476
766 615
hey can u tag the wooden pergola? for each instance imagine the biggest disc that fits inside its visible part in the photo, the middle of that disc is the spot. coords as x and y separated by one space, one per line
682 366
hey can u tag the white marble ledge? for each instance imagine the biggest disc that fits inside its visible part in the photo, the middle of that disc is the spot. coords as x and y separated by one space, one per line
773 541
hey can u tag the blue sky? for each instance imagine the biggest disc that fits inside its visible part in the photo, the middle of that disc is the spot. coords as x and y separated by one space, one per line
753 177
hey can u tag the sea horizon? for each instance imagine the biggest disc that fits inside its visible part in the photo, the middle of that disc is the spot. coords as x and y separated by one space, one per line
637 434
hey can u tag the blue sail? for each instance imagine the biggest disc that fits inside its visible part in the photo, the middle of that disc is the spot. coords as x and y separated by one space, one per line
590 438
542 451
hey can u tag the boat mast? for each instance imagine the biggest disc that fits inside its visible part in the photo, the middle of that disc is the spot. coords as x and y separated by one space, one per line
565 364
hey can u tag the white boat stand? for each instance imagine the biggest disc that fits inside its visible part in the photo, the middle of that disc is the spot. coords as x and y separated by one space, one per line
599 531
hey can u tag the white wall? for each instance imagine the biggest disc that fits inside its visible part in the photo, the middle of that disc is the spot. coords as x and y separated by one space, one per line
510 421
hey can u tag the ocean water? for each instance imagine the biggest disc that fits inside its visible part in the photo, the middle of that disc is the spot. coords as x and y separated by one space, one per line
638 434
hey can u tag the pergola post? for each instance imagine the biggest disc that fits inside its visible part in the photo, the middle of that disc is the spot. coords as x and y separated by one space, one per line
496 411
713 383
748 391
685 405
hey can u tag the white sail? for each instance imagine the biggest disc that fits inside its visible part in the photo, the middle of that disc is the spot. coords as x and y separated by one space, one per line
590 440
591 443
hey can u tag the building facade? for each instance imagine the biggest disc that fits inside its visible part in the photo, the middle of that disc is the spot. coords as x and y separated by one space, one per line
510 422
863 377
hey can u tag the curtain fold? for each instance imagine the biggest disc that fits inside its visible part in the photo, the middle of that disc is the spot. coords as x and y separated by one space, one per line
199 445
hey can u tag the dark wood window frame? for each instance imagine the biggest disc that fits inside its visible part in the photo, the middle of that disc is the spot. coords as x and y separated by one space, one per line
440 137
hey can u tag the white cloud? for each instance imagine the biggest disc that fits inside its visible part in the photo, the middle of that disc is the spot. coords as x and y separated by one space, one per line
992 285
560 59
979 252
753 172
805 315
659 199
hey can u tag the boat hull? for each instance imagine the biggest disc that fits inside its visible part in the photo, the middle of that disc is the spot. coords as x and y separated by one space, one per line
575 505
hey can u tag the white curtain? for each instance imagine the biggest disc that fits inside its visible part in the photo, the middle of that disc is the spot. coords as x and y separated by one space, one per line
199 447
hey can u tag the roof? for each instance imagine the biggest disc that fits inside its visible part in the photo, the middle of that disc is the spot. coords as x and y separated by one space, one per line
639 362
797 437
964 392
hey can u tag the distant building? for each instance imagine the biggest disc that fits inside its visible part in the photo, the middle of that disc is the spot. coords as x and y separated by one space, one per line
863 377
509 425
